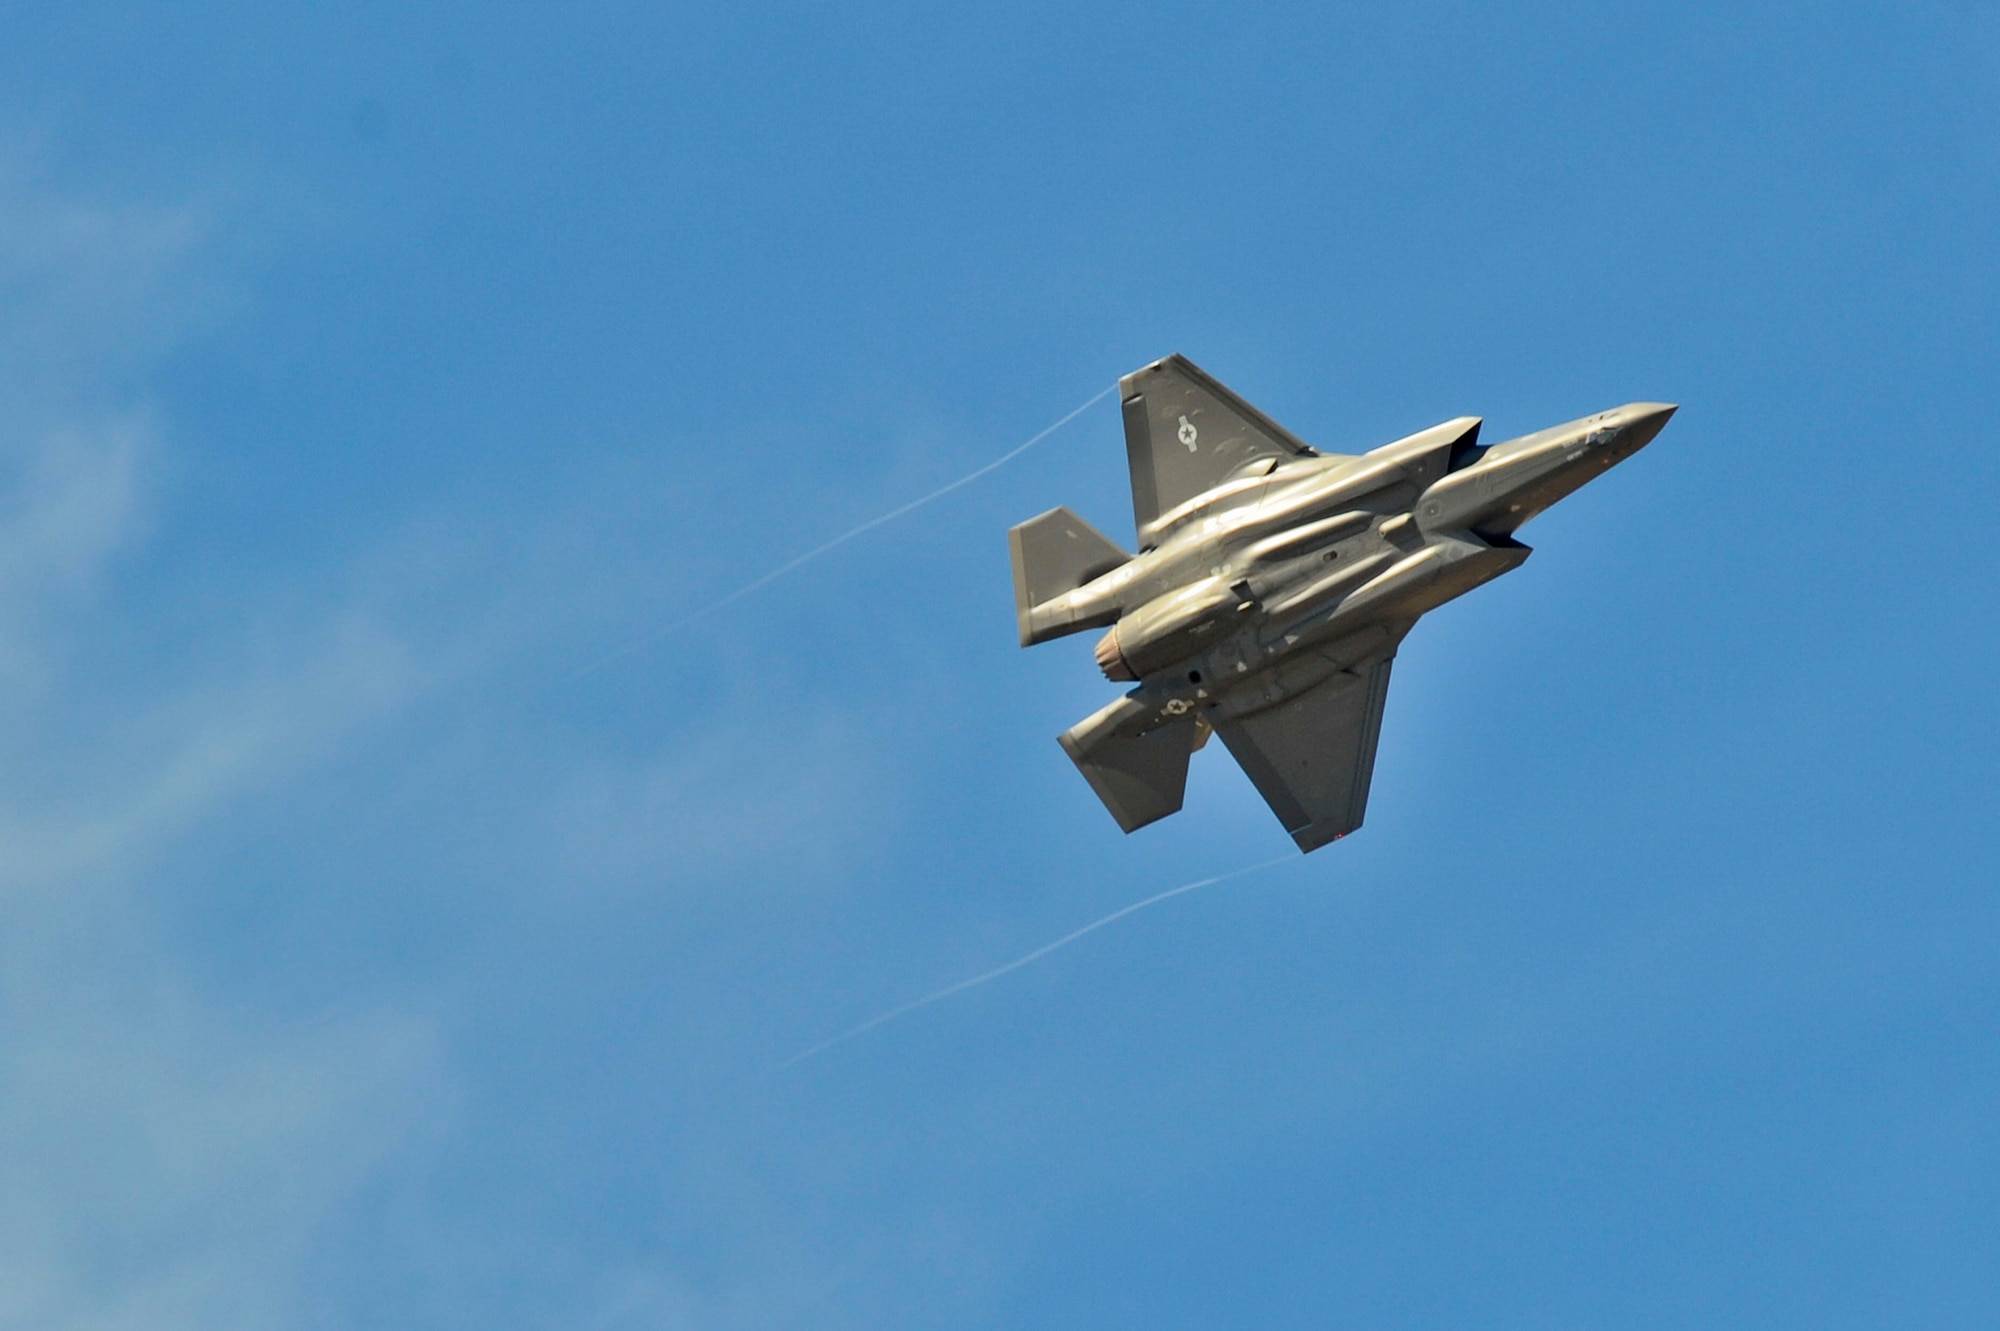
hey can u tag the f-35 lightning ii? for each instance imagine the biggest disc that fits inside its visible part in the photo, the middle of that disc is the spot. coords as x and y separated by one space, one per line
1274 583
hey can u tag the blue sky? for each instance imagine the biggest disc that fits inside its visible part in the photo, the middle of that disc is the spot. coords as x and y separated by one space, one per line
370 374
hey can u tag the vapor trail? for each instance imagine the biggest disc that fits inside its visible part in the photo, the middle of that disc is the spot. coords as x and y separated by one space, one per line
838 541
1021 961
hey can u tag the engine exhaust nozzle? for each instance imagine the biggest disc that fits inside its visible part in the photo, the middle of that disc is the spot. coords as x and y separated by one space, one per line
1111 659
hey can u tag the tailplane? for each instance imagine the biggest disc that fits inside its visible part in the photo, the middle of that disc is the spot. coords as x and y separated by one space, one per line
1137 767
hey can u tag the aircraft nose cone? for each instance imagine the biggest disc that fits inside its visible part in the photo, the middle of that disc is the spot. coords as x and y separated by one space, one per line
1643 420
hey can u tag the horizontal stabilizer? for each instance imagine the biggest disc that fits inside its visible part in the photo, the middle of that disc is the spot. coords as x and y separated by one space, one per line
1054 554
1140 775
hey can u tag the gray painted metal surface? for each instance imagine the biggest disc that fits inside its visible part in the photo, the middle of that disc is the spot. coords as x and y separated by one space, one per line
1274 583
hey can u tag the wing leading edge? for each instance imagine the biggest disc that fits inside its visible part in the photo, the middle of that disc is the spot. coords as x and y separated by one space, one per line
1312 757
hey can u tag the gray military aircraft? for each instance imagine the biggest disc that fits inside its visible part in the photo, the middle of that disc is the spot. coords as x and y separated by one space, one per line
1274 583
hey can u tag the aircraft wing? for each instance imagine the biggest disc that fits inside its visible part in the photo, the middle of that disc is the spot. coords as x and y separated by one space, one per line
1312 756
1186 433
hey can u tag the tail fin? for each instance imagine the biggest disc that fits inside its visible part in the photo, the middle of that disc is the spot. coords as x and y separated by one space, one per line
1185 432
1054 554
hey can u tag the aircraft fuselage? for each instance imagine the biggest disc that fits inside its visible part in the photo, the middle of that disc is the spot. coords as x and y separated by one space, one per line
1293 568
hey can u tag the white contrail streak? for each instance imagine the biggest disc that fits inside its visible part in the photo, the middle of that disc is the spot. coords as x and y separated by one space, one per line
1021 961
834 544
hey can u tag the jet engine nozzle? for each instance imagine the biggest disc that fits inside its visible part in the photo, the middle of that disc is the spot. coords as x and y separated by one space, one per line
1111 659
1168 628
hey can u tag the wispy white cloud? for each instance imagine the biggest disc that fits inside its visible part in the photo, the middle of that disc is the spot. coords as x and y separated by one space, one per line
167 1163
174 1155
168 1158
71 500
95 285
786 788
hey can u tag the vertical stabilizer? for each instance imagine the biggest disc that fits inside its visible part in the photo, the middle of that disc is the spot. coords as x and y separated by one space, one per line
1055 554
1186 433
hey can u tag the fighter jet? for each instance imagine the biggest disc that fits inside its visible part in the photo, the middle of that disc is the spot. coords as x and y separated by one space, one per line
1274 583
